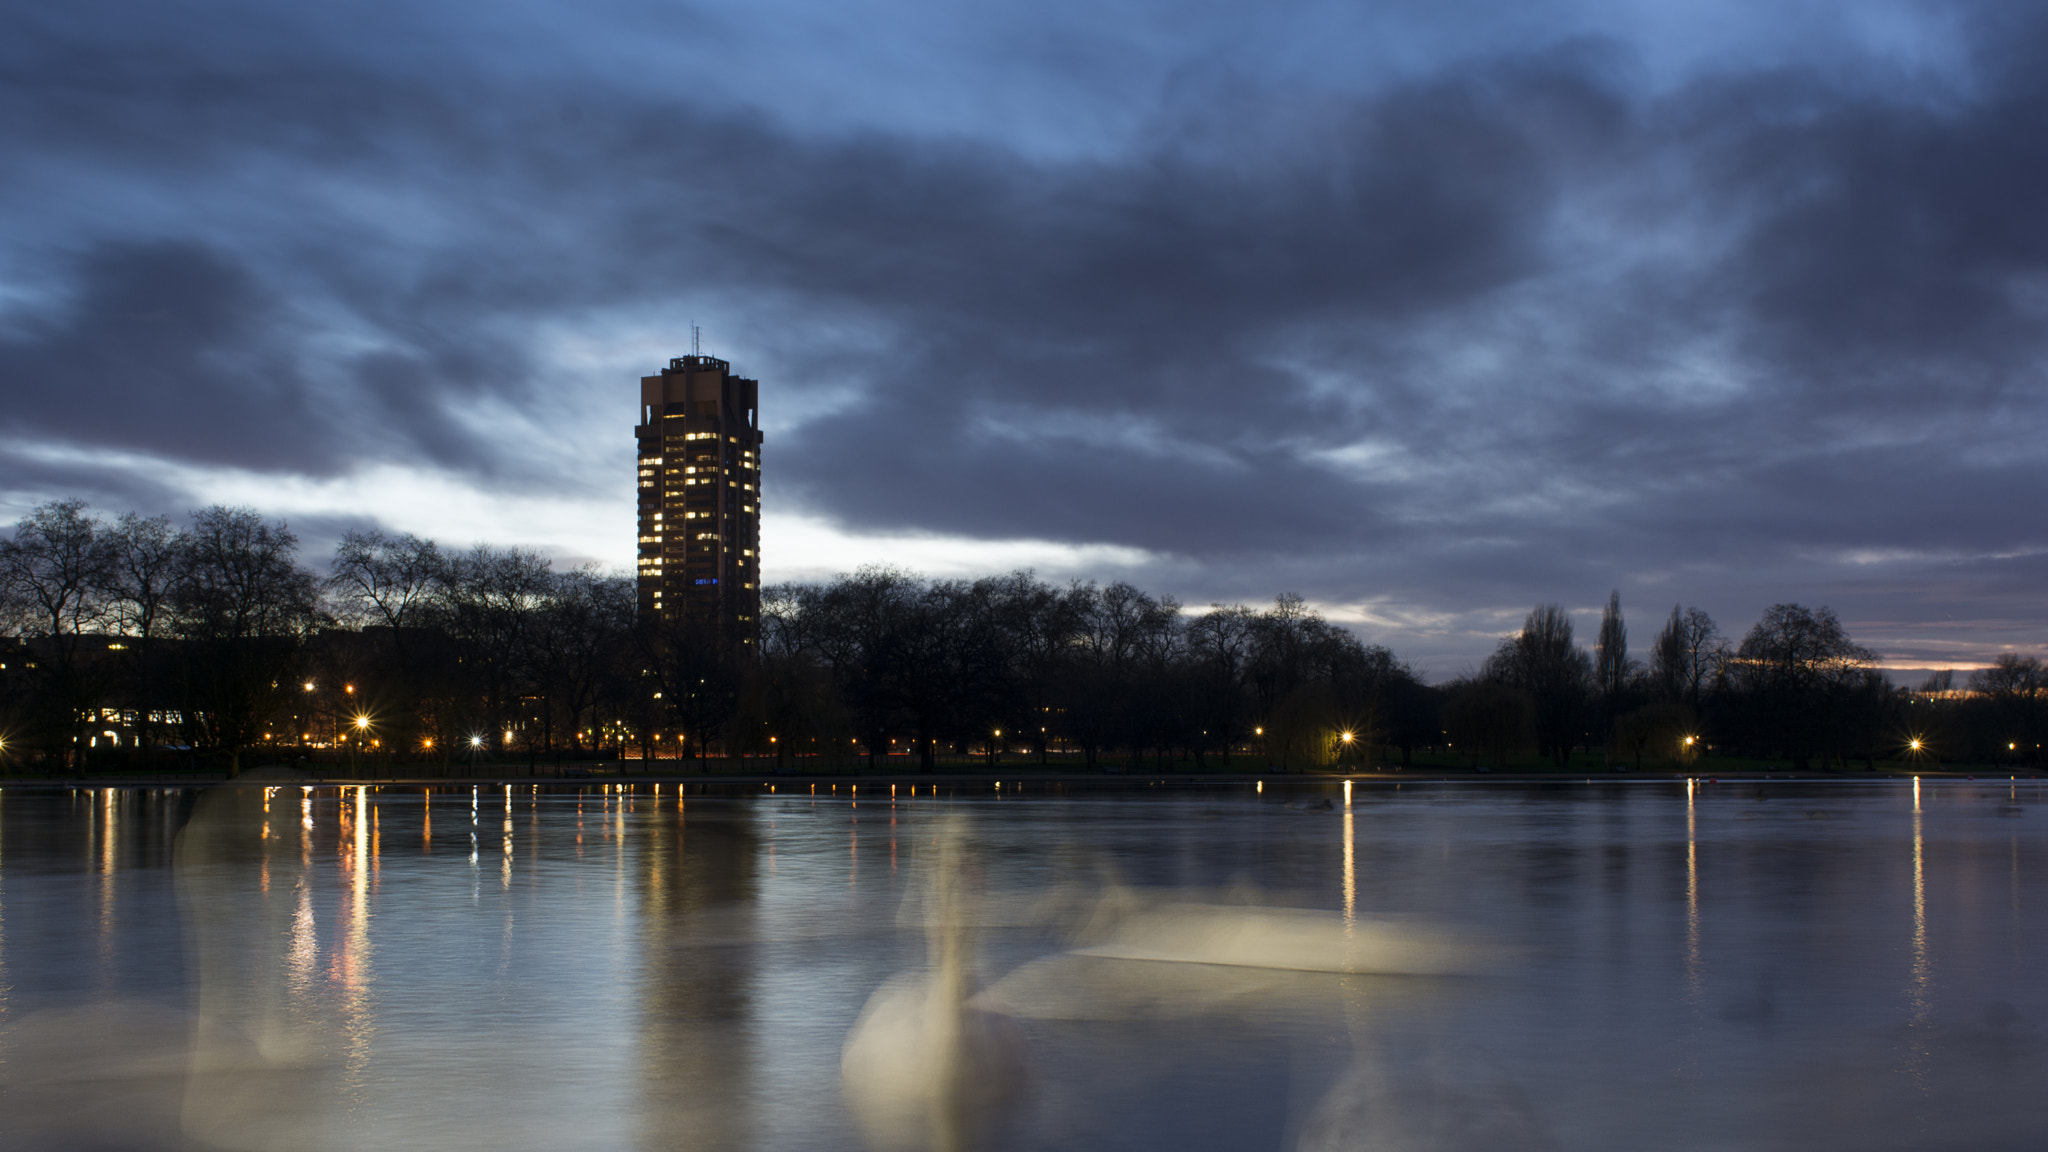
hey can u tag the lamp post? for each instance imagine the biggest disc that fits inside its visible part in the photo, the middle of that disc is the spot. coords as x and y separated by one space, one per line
362 731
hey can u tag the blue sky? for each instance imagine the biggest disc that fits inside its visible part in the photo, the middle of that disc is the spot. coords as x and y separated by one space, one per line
1429 312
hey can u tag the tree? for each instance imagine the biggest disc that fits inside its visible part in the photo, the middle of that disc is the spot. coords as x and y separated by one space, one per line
589 620
53 578
1666 729
489 598
859 625
2014 688
1617 678
1543 661
144 562
1611 665
389 588
1805 684
1687 653
245 609
1488 720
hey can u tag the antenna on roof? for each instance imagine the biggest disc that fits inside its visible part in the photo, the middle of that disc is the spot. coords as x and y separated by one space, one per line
696 340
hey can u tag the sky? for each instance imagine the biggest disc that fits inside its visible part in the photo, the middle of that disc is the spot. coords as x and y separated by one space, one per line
1428 312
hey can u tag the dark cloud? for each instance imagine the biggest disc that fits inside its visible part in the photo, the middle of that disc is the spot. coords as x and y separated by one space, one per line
154 340
1505 328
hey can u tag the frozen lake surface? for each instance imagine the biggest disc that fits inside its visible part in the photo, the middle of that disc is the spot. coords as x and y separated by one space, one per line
1206 966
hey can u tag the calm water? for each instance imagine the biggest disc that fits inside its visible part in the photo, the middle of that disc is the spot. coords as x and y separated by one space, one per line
1637 966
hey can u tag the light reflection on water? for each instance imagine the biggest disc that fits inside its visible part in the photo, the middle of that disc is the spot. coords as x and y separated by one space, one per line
1666 965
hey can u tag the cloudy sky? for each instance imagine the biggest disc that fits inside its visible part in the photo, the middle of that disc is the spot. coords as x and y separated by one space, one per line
1428 311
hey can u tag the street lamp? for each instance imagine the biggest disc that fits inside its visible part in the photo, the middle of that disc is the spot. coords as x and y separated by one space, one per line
362 725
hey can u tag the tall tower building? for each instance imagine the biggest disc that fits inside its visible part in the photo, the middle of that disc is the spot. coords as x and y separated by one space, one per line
700 497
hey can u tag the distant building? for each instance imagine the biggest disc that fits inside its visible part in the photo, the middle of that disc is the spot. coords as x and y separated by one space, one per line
700 497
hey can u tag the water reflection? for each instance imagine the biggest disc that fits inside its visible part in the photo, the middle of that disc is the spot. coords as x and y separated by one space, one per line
696 891
1208 968
6 987
352 970
1692 892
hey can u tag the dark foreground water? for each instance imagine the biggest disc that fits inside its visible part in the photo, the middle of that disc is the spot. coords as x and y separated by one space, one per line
1622 967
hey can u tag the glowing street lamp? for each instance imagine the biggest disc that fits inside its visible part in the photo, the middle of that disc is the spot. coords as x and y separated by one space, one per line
362 725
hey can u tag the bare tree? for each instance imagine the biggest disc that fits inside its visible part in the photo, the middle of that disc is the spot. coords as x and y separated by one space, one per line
490 597
391 590
53 573
1543 661
145 560
245 609
2014 687
1220 645
1804 683
1687 653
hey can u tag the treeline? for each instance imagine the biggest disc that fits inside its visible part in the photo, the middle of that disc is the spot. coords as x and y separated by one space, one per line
137 638
883 659
1796 687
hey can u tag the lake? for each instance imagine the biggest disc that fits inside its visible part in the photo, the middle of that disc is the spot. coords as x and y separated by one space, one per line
1626 966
